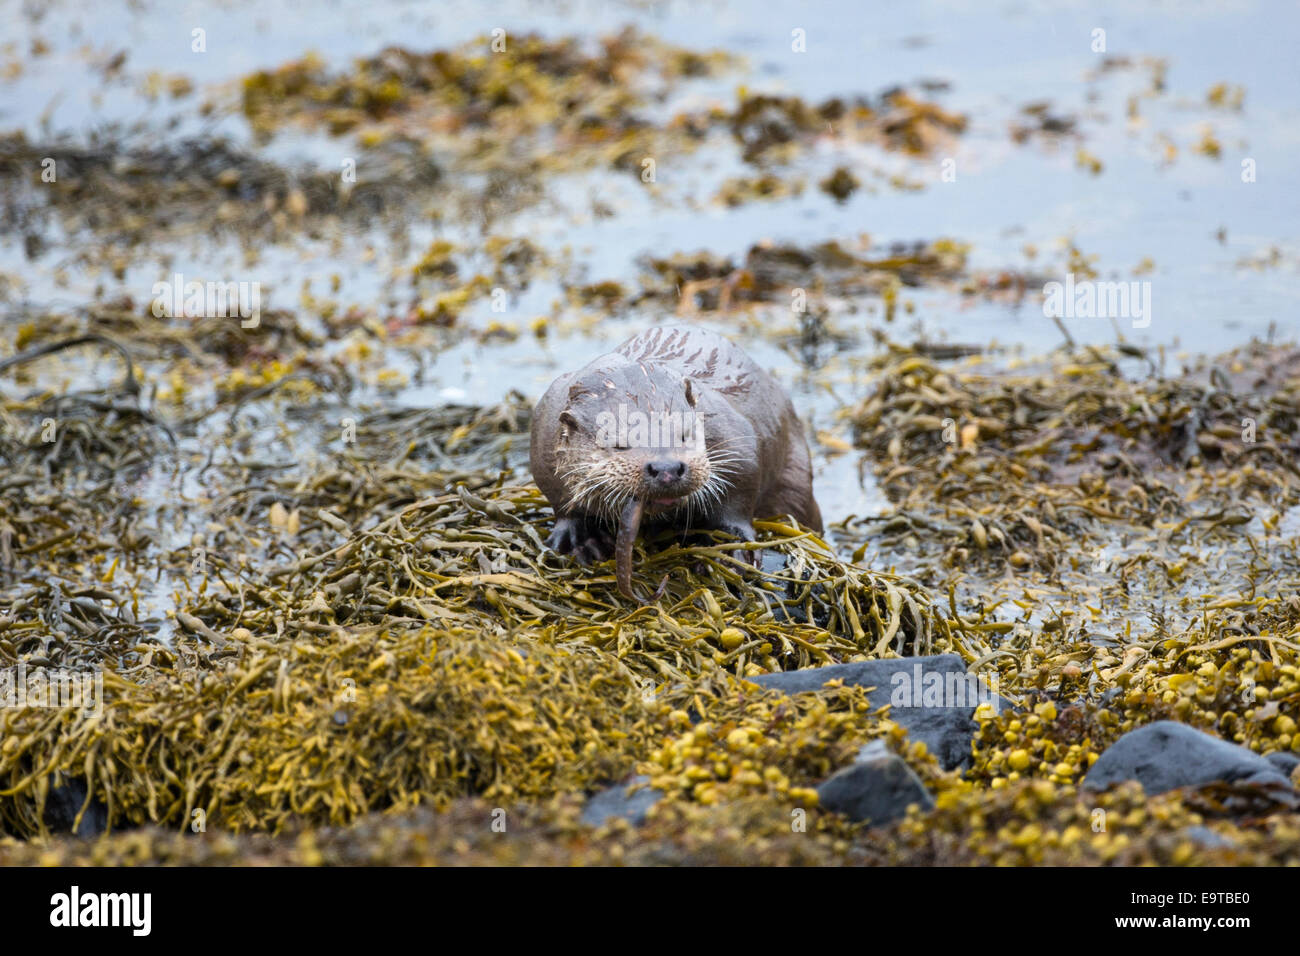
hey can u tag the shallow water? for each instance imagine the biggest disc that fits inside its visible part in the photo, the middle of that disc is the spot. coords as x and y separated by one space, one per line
1209 290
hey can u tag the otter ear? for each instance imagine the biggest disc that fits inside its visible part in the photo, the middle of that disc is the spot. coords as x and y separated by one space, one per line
690 394
569 422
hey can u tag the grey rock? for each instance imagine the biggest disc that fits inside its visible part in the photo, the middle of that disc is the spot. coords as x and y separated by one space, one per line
64 803
1167 755
1110 696
1207 838
876 788
1283 761
945 725
615 802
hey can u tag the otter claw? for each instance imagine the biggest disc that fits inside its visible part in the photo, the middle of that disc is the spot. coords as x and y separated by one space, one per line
572 537
564 538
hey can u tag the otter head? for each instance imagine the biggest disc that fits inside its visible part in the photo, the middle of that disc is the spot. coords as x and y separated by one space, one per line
633 433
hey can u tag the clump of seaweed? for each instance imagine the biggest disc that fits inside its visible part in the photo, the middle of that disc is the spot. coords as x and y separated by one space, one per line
771 272
128 192
1043 823
1105 497
489 99
767 186
456 555
1007 467
841 183
768 127
307 729
734 744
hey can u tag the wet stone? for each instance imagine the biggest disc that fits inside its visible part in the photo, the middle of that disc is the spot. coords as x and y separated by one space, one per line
932 698
615 802
1205 837
877 788
1167 755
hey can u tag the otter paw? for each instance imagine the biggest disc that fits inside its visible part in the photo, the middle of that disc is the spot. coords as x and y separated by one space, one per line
573 536
565 536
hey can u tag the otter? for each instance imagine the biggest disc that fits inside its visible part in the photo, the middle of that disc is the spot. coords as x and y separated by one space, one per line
677 427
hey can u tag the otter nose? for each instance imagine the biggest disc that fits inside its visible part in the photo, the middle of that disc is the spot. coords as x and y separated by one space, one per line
665 471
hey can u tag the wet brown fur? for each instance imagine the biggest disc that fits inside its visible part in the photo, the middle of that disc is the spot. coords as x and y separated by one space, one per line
754 460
